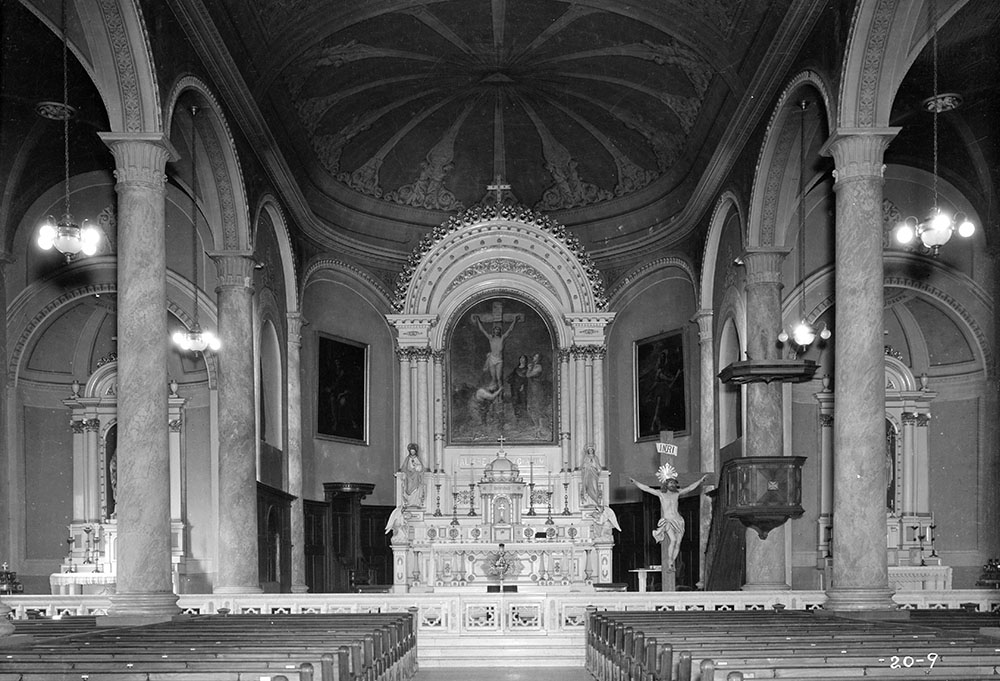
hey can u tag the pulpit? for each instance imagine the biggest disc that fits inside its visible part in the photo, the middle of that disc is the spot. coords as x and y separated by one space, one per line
763 492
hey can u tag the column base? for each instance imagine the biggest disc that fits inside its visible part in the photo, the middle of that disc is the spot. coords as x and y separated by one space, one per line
299 589
135 609
857 600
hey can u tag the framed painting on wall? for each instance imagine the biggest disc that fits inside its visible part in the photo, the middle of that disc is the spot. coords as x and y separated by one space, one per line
661 394
501 374
342 389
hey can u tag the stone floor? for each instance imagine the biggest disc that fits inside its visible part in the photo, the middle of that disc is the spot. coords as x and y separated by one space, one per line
518 674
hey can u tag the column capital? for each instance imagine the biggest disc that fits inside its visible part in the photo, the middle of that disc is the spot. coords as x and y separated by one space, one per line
764 265
140 158
705 319
235 269
295 323
858 152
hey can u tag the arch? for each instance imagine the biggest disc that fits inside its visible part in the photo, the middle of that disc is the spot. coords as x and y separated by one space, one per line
271 384
724 206
730 394
625 286
222 192
775 162
953 291
269 206
327 268
885 38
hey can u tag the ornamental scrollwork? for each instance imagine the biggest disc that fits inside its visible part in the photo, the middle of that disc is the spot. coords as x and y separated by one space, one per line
485 213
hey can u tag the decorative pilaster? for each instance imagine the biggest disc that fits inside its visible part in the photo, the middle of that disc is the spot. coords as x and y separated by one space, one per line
706 390
598 411
237 558
294 420
765 558
564 425
145 588
860 576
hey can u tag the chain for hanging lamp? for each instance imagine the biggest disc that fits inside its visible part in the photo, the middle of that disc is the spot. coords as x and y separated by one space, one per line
803 333
935 230
195 339
65 235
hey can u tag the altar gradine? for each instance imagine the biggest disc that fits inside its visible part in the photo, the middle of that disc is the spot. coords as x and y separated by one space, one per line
500 325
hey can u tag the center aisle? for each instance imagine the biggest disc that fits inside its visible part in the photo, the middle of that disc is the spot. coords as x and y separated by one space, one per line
519 674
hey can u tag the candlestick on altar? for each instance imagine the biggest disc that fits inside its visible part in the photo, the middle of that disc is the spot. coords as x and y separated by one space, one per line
472 498
531 498
437 509
565 498
454 507
548 496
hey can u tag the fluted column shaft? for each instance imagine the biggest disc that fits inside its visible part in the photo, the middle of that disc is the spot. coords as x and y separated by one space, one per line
238 570
424 407
860 577
294 454
405 402
565 423
145 587
437 397
765 558
582 404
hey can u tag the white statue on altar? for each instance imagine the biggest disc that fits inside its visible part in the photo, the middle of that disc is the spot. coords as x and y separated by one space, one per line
413 469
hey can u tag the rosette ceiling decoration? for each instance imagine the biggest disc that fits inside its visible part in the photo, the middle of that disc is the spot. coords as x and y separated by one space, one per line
395 114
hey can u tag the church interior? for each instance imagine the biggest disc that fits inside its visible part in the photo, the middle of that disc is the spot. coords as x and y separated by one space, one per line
316 307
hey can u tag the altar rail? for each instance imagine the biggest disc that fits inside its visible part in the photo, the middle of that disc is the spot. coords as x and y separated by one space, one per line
500 613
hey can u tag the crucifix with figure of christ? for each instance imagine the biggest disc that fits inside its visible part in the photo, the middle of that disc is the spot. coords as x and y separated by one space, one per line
498 187
496 336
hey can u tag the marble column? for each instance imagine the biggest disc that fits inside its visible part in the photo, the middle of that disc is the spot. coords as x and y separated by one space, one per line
237 571
582 403
145 586
425 408
294 419
706 389
765 558
860 575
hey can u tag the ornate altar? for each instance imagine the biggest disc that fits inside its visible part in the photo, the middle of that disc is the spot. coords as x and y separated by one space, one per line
91 559
500 320
914 563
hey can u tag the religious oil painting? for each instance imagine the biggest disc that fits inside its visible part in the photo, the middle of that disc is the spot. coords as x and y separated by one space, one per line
342 389
660 386
501 374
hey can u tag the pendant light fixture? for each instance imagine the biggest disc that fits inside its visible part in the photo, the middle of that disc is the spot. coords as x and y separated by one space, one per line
65 235
195 339
936 229
803 333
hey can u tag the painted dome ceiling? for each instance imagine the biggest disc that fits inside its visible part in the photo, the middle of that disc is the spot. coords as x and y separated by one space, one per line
425 107
405 111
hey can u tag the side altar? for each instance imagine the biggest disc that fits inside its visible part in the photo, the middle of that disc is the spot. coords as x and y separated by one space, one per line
500 325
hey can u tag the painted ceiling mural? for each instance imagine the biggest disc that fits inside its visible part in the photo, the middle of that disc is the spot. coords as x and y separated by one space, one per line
441 105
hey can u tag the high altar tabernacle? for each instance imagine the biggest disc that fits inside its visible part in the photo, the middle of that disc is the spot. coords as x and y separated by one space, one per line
501 343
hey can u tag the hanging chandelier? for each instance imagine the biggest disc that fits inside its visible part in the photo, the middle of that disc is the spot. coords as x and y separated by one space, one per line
195 339
936 228
803 333
65 235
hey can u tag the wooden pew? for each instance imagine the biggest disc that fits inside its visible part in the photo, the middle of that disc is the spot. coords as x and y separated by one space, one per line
641 645
342 647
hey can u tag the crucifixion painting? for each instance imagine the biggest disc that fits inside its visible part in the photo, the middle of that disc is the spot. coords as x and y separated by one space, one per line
500 372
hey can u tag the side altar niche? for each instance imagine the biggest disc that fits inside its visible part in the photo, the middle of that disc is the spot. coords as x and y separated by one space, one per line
488 524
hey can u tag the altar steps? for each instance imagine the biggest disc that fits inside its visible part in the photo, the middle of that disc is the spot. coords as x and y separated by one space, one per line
500 651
